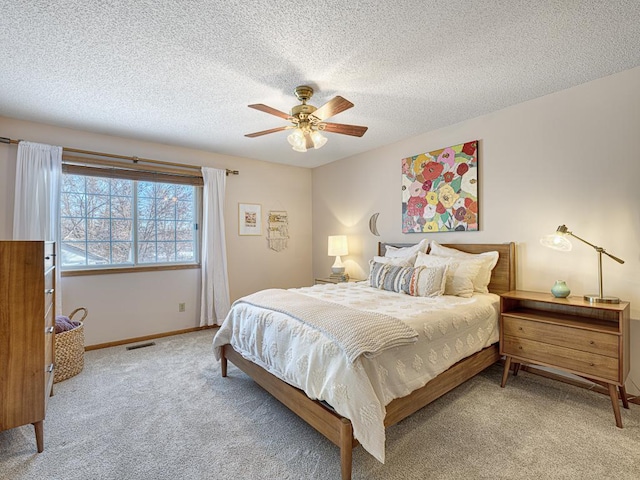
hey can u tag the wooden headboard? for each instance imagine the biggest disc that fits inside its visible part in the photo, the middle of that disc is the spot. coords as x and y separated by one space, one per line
503 277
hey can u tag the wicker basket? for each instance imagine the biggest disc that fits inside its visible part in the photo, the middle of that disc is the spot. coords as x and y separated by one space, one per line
69 349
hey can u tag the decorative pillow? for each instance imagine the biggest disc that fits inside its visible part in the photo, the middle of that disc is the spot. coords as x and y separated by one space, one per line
460 272
408 253
489 261
419 282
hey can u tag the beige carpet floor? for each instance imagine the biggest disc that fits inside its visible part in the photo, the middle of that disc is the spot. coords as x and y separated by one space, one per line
164 412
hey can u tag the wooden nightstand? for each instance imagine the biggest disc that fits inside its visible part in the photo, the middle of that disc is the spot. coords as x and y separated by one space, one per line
590 340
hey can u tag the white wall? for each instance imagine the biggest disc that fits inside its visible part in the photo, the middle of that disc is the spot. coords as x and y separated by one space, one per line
123 306
570 157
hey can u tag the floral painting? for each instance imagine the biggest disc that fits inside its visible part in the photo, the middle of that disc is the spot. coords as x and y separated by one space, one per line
440 190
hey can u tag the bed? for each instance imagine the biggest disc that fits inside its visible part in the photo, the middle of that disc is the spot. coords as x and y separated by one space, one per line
327 408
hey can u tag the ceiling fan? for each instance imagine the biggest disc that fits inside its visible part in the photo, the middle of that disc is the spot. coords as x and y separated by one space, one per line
308 121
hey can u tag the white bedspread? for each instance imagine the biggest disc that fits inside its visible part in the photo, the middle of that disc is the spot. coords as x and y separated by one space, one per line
450 328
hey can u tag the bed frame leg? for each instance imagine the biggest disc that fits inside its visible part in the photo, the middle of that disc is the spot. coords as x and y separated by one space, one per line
346 448
223 362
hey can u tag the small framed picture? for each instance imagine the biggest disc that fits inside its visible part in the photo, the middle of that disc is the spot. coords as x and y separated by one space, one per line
249 219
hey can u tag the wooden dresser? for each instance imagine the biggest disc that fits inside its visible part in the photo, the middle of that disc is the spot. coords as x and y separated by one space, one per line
27 324
590 340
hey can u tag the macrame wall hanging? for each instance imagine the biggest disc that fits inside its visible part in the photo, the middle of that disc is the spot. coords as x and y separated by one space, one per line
278 234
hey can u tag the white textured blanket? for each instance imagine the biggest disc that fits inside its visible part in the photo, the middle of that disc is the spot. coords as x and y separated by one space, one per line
357 332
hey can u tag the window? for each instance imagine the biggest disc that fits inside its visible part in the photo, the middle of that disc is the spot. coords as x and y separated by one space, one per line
119 222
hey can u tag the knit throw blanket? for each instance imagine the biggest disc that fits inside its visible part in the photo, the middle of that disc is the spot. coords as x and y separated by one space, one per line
357 332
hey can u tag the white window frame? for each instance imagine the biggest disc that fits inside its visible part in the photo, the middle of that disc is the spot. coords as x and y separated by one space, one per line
136 266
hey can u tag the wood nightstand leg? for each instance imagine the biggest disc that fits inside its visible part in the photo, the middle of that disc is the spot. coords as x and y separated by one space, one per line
505 372
516 369
613 393
623 396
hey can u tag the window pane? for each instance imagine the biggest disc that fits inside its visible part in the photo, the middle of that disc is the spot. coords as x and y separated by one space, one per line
121 207
98 185
121 187
184 193
146 189
146 252
185 252
73 228
165 191
165 208
121 230
98 230
74 253
166 231
122 253
98 206
72 204
146 230
98 253
166 252
146 208
185 210
184 231
73 183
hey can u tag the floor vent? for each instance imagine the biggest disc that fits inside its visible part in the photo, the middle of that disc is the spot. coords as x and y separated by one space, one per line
141 345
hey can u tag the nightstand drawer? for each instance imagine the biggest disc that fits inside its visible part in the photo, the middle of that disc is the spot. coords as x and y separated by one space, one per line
573 338
577 361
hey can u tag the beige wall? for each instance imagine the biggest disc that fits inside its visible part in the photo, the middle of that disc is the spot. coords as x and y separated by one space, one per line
125 306
570 157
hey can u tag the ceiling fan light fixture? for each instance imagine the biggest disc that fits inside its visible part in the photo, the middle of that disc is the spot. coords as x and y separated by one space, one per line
296 138
318 139
300 148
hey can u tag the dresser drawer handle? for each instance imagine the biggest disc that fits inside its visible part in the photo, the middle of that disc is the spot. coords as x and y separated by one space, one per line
592 364
49 369
49 329
592 342
519 348
520 328
49 291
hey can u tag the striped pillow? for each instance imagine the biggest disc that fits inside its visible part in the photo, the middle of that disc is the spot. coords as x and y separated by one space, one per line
416 281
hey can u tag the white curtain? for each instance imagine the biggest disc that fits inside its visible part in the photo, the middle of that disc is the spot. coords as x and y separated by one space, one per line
37 199
215 301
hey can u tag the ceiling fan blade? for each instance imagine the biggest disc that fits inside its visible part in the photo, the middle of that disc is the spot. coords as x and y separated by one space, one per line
353 130
332 107
265 132
267 109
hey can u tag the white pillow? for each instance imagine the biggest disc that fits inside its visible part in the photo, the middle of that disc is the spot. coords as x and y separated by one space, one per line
408 253
399 261
460 272
489 261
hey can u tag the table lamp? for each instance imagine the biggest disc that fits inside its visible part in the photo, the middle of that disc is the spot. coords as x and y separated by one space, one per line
559 241
337 247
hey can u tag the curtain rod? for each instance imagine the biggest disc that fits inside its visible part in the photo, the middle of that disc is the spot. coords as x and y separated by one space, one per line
123 157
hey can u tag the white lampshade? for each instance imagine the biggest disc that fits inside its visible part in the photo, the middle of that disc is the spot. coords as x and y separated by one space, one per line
297 140
337 245
318 139
557 242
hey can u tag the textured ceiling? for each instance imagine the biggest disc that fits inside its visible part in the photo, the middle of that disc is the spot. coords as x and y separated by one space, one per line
183 72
